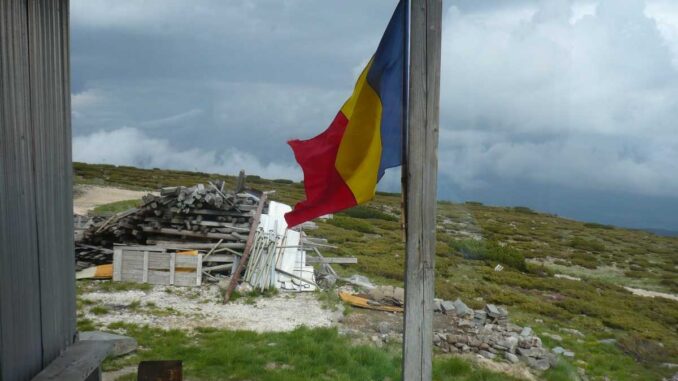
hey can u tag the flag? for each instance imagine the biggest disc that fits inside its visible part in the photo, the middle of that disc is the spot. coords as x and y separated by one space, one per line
343 164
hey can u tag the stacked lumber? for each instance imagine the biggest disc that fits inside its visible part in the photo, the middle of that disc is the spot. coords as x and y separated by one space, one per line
201 213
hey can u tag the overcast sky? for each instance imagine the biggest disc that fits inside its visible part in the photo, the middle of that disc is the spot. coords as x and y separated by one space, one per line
565 106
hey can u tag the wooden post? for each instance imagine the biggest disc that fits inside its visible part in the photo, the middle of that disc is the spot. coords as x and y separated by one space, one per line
235 275
420 174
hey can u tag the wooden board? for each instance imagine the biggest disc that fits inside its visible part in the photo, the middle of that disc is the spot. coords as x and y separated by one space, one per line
362 302
420 179
339 260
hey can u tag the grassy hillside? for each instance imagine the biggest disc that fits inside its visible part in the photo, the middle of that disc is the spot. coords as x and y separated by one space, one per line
638 334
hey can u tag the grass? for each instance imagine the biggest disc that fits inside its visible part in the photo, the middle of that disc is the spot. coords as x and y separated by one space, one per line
115 207
303 354
532 246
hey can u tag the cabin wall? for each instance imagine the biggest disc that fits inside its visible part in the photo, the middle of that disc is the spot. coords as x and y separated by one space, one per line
37 288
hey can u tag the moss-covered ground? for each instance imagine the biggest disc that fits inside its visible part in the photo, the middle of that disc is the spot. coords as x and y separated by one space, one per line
472 239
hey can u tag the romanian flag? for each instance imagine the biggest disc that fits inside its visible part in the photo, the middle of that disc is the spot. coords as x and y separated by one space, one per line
343 164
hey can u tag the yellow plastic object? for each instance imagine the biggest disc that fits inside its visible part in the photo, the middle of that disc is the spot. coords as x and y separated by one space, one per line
362 302
96 272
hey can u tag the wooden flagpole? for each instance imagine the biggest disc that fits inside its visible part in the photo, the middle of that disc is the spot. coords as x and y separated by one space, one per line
420 177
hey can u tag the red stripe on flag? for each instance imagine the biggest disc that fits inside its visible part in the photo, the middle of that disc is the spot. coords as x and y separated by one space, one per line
326 191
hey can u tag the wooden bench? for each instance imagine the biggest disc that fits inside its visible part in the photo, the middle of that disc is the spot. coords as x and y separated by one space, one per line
79 362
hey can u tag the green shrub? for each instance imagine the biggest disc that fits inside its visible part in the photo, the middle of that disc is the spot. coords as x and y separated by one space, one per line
283 181
524 210
586 244
365 212
474 203
594 225
491 251
352 224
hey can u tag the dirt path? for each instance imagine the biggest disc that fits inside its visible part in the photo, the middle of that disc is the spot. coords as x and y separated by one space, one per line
652 294
90 196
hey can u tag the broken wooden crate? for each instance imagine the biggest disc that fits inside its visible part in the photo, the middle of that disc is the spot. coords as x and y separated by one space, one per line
155 265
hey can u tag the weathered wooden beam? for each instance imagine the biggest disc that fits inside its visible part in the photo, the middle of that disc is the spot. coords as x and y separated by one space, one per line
248 248
340 260
78 362
420 174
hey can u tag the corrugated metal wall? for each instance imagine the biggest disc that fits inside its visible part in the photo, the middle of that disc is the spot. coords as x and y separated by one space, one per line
37 289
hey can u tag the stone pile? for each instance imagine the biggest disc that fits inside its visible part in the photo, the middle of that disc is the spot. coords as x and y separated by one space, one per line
489 333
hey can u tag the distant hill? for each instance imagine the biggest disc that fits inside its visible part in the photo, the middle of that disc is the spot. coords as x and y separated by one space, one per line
663 232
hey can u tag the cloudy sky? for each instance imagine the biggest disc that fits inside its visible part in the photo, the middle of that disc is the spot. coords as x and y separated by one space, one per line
564 106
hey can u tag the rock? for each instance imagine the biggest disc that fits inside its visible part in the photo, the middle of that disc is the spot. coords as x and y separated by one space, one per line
383 328
569 354
487 354
122 345
360 281
437 305
553 336
524 352
224 282
513 359
558 350
510 343
572 331
608 341
514 327
492 310
474 342
480 317
529 342
502 312
539 364
388 295
461 309
527 331
244 288
456 339
447 307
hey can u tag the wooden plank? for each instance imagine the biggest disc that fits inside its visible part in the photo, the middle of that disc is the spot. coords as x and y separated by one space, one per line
221 258
198 271
117 263
420 174
185 279
159 277
186 261
172 267
189 233
77 362
246 253
340 260
196 245
145 268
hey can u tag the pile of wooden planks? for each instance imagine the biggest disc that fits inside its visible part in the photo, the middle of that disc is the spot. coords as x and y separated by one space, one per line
201 213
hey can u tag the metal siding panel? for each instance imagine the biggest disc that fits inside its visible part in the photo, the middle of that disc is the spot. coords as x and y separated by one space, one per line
50 95
20 350
37 288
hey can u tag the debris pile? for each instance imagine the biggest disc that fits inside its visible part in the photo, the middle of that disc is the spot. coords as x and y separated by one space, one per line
488 333
199 213
183 234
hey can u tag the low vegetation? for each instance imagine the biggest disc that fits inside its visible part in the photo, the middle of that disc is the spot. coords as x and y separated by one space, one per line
613 333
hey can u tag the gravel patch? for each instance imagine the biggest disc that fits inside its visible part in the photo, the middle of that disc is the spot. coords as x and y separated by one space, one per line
187 308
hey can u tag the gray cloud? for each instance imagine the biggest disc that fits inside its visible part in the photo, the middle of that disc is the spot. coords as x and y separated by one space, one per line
575 94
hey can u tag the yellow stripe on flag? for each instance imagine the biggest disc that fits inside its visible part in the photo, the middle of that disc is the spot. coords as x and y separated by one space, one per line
359 153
